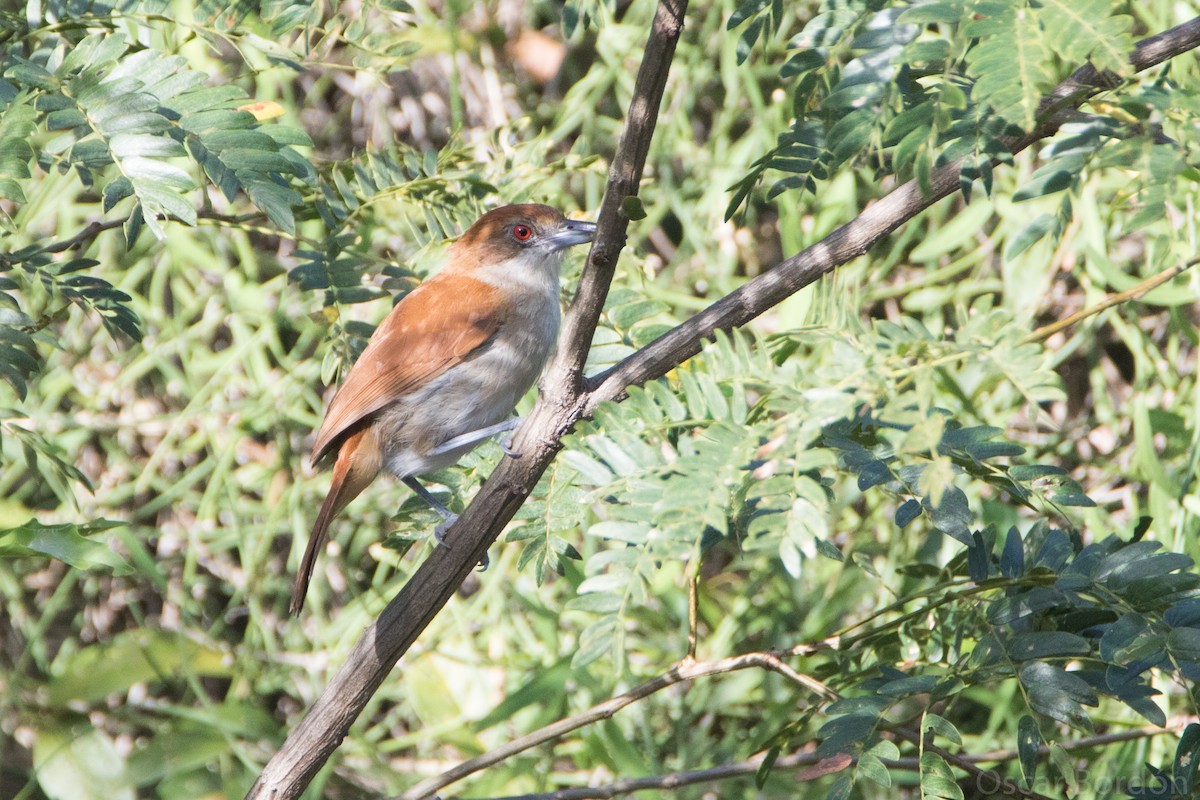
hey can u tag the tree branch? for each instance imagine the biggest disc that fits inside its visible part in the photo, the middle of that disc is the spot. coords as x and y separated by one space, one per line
565 374
306 749
567 398
1132 293
857 236
750 766
681 672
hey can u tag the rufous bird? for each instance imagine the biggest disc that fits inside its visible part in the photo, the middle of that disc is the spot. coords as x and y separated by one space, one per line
445 369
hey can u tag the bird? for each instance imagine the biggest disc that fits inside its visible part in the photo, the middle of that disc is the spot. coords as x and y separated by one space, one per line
445 369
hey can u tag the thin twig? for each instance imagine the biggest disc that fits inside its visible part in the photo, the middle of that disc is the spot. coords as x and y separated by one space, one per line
1099 740
95 228
693 612
675 780
89 232
799 760
966 765
1154 281
681 672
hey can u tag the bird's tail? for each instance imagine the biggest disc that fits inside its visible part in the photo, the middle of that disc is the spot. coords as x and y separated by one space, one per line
357 464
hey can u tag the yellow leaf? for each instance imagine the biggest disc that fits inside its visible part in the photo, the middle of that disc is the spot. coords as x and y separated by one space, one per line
267 109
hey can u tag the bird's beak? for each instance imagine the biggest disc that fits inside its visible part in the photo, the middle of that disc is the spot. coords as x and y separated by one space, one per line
571 233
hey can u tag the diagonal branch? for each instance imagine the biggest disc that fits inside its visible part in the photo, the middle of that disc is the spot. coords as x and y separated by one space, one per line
565 375
568 398
687 670
857 236
819 767
306 749
1132 293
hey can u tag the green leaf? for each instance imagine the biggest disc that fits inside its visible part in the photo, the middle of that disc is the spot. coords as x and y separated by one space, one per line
154 172
937 781
907 511
544 683
1058 694
115 191
1012 559
1184 644
744 11
873 474
847 734
598 639
802 62
30 75
941 727
1007 610
1097 35
908 685
66 542
91 674
1047 644
17 123
632 208
871 768
952 515
1029 742
130 145
1010 61
80 764
1030 235
1057 176
749 38
1187 758
276 202
946 12
1032 472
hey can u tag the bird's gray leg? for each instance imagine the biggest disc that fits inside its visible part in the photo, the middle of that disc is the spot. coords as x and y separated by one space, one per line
448 516
474 437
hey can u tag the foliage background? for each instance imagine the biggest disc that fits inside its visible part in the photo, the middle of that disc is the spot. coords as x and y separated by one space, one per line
168 385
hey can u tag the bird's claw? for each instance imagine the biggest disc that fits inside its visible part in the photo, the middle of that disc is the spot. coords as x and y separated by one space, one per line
506 445
439 533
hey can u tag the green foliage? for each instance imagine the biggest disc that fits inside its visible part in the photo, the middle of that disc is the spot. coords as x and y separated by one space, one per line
1010 63
66 543
125 114
927 83
1069 624
1181 781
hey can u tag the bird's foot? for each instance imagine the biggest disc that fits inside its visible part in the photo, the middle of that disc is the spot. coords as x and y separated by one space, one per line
439 534
506 445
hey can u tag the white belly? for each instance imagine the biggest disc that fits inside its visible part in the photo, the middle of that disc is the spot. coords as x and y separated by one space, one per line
481 391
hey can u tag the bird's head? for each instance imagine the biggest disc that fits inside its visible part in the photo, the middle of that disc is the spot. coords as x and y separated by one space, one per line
526 234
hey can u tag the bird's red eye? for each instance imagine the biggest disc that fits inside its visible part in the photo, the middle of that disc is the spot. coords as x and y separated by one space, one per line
522 232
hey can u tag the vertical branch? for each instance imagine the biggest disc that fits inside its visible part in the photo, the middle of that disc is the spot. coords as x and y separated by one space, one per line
566 371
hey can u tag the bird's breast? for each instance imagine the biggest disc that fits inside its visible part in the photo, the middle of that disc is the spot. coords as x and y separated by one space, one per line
480 391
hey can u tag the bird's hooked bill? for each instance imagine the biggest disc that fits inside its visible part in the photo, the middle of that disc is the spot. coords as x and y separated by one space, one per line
571 233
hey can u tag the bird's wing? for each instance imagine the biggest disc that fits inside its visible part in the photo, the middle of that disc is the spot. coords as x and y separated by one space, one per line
432 329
